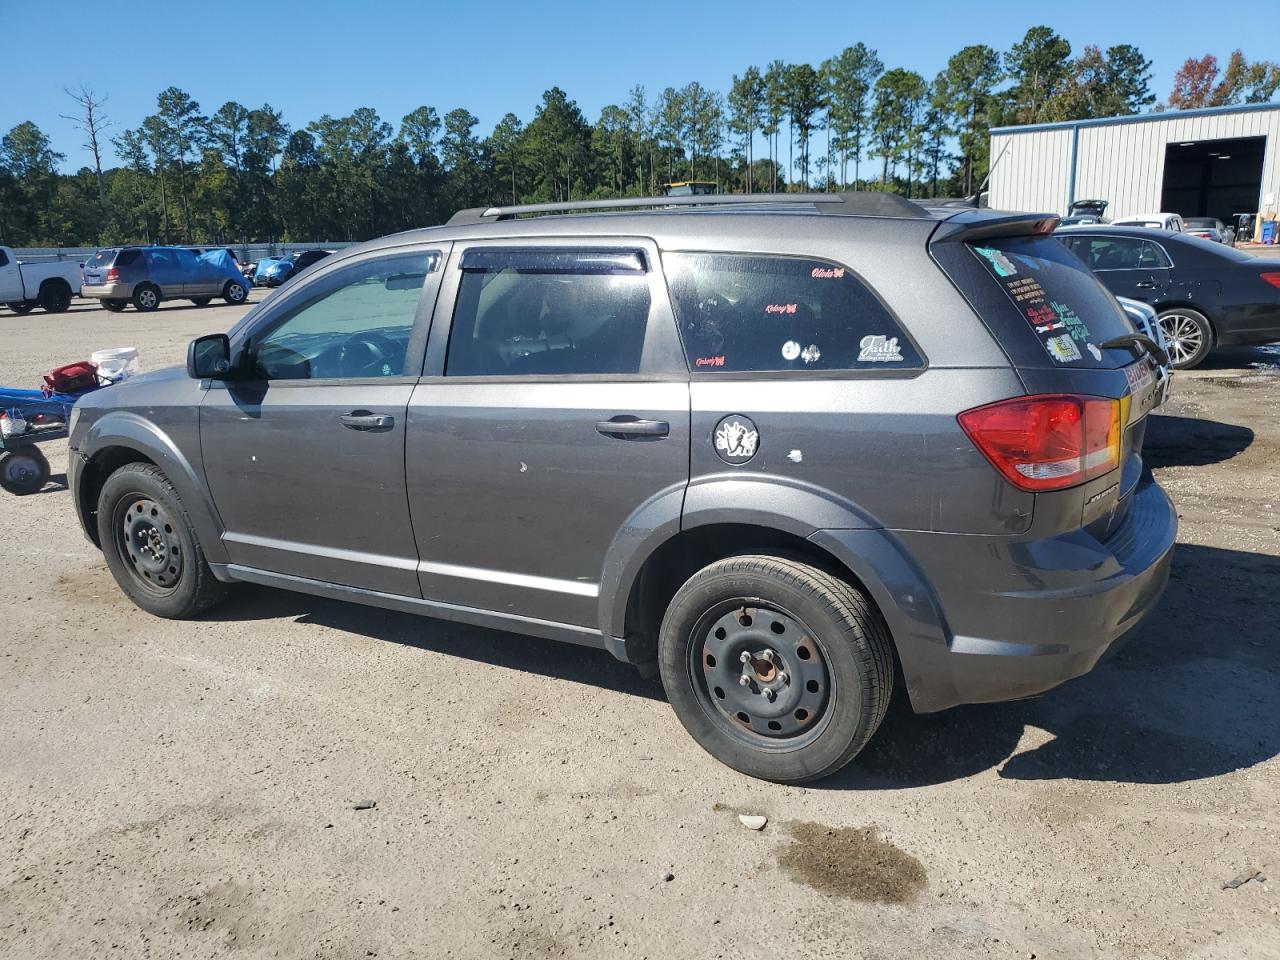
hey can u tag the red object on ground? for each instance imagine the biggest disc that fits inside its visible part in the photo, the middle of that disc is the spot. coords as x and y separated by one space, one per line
72 378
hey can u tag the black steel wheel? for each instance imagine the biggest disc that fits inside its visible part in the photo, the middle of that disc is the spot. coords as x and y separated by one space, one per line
55 297
150 545
775 667
23 471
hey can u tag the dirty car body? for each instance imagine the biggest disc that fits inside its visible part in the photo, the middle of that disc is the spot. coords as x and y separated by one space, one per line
589 427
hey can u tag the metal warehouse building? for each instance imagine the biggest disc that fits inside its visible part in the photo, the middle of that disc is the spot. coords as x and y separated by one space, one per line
1215 162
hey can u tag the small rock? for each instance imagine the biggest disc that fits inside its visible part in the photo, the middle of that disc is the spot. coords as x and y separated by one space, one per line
668 877
1243 878
752 821
366 805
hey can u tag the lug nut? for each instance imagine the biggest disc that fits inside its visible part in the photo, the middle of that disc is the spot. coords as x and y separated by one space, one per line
745 657
769 694
767 656
782 677
744 681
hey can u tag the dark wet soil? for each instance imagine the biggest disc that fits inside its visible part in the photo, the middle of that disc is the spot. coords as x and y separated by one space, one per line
851 862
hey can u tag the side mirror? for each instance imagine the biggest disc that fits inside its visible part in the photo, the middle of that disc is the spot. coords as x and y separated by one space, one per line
209 357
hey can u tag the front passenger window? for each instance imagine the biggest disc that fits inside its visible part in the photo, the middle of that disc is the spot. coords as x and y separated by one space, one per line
356 323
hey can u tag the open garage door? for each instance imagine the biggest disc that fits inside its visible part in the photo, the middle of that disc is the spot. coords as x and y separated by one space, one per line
1213 178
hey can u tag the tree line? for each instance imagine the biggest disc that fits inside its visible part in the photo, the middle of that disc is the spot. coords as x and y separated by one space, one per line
241 174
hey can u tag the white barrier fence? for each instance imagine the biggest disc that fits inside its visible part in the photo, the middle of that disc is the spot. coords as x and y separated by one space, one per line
252 251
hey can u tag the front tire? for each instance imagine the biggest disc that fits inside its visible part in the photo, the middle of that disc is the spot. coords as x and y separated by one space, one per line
1189 336
202 301
235 293
776 668
23 471
115 306
150 545
146 298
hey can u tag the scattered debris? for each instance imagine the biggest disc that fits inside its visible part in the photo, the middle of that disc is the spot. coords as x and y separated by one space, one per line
752 821
366 805
1243 878
668 877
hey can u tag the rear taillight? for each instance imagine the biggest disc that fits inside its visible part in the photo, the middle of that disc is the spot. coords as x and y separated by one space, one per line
1272 277
1048 441
112 274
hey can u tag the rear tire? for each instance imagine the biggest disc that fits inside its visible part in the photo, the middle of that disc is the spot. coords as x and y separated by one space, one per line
202 301
1189 336
55 297
235 293
146 298
115 306
150 545
23 471
22 307
813 641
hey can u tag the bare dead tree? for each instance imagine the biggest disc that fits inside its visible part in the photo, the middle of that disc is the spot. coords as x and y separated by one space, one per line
93 122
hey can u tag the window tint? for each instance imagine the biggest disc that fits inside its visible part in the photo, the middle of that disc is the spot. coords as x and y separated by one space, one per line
357 324
527 313
1063 304
125 258
1119 253
744 313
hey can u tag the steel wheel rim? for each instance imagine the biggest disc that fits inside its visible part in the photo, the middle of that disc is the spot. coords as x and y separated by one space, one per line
1184 336
149 544
782 656
147 298
20 470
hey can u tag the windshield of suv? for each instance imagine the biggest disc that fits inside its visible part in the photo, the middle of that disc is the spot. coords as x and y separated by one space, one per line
1062 302
102 258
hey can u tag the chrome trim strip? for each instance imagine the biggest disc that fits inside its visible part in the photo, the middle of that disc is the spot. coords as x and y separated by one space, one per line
334 553
528 581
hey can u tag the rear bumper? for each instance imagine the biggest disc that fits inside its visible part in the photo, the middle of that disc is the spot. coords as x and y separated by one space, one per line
1008 619
107 291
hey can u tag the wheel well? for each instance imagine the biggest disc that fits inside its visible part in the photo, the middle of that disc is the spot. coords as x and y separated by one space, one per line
100 466
54 283
666 570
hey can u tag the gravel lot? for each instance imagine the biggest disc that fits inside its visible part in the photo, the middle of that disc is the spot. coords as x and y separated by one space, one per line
188 790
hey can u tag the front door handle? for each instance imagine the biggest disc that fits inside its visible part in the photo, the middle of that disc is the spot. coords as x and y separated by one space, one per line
628 428
1145 284
364 420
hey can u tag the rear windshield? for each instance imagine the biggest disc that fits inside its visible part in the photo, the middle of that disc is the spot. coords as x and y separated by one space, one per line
103 258
1063 304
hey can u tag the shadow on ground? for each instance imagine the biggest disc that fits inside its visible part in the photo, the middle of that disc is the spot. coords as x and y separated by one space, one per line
1192 442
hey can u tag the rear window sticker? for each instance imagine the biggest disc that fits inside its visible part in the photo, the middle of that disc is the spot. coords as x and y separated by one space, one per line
1042 316
1097 354
876 348
1078 329
827 273
780 307
1026 289
1062 348
811 354
790 350
709 361
1139 376
1001 264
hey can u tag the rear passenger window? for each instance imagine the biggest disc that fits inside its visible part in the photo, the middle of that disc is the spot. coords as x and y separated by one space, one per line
127 258
537 312
750 313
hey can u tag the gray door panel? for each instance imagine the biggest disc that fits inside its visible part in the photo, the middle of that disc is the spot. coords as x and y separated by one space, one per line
516 495
300 492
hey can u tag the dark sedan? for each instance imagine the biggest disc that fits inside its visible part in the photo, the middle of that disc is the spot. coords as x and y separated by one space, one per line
1206 294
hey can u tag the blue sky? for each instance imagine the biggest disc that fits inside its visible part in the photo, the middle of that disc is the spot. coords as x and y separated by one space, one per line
493 57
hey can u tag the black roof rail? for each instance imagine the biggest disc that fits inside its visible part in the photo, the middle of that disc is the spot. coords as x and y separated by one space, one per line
864 203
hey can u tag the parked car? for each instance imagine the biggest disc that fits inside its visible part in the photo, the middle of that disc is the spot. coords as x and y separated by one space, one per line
1143 316
25 286
1086 212
1210 228
777 450
1206 294
146 276
1153 221
281 271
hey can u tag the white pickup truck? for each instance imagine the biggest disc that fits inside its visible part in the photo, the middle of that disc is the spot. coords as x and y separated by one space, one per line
25 286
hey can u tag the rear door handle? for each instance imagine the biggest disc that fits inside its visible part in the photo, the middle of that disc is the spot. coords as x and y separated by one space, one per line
1145 284
627 428
364 420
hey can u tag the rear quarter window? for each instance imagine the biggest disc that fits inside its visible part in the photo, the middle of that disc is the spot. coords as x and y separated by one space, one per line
749 313
1058 300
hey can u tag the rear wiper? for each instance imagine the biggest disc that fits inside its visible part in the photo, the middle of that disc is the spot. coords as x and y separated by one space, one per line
1131 340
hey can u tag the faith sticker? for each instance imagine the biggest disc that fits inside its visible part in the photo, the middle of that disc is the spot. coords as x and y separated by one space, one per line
1062 348
875 348
790 350
736 439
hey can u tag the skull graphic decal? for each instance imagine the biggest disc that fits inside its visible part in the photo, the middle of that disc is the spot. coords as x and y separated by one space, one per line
736 439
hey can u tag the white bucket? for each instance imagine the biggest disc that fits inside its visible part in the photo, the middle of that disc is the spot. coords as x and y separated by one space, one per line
116 364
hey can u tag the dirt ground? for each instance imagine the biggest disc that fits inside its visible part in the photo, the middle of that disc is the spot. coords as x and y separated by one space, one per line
190 789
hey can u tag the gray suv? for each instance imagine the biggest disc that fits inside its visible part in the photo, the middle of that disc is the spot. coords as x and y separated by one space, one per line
146 276
785 451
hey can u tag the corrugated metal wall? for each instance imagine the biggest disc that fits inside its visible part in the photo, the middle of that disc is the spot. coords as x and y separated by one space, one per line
1119 162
